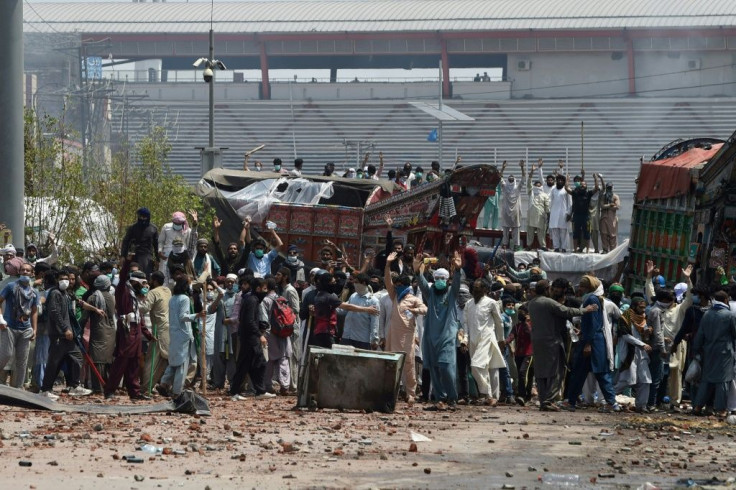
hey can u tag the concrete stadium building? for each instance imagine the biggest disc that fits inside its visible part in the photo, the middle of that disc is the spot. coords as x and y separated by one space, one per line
638 73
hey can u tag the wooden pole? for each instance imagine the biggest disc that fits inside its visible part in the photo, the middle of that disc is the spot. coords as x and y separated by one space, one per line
582 146
202 346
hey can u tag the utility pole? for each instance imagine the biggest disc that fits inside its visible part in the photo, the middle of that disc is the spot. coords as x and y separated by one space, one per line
11 124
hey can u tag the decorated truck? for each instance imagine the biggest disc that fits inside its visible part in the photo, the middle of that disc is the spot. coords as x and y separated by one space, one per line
350 212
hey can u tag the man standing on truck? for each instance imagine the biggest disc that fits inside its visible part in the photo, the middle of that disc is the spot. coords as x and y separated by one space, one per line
258 260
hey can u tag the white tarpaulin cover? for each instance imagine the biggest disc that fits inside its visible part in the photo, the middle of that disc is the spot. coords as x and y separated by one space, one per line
573 266
256 199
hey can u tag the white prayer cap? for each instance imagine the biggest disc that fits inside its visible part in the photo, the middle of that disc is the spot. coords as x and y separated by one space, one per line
441 274
232 277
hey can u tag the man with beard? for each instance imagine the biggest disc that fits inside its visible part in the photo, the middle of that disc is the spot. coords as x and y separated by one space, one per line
511 206
549 318
236 255
440 330
610 204
559 211
141 239
591 353
205 266
128 346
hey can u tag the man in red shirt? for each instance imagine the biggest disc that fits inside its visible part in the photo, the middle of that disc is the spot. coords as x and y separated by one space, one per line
522 334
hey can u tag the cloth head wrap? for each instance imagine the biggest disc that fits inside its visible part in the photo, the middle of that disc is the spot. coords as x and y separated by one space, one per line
441 274
590 282
616 288
102 283
12 266
232 277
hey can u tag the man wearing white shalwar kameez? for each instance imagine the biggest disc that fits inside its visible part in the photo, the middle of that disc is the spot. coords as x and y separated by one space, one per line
482 320
560 205
536 221
511 206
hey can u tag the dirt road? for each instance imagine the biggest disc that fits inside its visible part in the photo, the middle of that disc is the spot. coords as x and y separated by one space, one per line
266 444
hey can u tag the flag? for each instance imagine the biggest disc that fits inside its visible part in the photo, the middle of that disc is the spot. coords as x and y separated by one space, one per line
433 135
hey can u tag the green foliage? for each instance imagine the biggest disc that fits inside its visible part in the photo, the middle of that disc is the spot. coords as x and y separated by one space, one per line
89 209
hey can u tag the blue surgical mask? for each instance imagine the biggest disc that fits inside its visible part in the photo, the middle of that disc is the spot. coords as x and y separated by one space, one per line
696 299
292 258
177 227
509 311
440 284
24 280
277 168
235 288
258 253
144 291
577 184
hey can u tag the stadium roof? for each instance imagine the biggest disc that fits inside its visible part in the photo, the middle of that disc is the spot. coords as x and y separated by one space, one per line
337 16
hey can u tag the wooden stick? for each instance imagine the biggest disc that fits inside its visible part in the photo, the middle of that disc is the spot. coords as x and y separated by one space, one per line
582 146
202 346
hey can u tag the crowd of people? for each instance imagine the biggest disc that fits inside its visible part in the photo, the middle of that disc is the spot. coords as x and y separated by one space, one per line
556 205
553 206
471 333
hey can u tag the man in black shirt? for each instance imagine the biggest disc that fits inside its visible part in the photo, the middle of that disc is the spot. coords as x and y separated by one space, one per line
581 210
236 255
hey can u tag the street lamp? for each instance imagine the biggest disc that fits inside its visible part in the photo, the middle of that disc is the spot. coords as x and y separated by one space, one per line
210 65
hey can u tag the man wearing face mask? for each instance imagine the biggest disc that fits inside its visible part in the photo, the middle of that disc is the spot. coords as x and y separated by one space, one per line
131 291
252 336
295 266
259 260
177 228
32 253
62 346
511 206
559 211
141 239
610 204
361 329
440 330
19 303
179 258
418 177
581 197
536 222
156 304
236 255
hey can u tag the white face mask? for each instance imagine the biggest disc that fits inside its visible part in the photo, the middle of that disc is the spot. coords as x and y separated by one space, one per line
178 249
361 289
63 284
536 190
210 296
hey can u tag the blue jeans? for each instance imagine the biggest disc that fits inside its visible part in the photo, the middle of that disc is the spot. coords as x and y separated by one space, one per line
504 377
580 370
656 368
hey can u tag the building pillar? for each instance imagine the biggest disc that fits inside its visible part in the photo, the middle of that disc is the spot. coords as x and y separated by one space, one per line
445 70
265 83
11 124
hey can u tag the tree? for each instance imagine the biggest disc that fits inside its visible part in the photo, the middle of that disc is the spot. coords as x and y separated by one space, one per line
89 210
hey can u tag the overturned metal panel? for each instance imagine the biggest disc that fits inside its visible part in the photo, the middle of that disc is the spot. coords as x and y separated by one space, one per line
350 379
188 402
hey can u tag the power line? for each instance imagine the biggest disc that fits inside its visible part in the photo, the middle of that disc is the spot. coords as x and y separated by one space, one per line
39 16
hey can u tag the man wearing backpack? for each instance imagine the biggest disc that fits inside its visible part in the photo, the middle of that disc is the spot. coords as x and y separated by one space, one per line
361 329
276 311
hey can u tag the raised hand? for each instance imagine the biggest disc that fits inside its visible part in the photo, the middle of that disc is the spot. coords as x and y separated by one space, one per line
649 267
392 257
457 260
389 220
216 223
687 271
194 215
